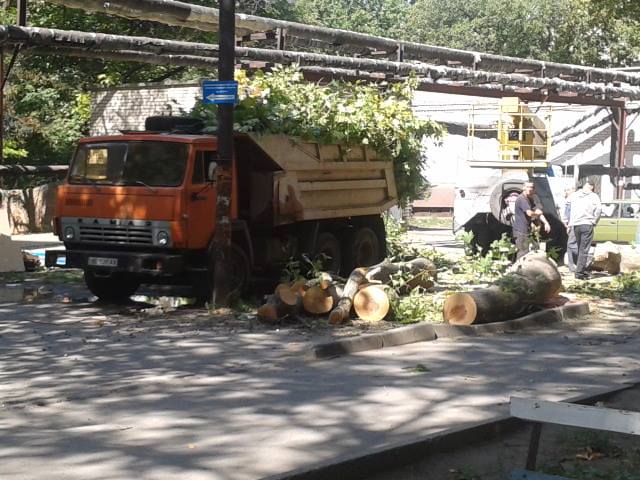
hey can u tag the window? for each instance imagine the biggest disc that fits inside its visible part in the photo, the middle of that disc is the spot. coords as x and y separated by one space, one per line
630 210
201 167
609 210
156 164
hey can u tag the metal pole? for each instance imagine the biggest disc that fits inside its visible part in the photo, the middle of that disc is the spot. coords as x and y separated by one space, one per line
22 13
222 236
622 151
1 105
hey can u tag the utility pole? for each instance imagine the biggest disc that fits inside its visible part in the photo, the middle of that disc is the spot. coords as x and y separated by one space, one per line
222 236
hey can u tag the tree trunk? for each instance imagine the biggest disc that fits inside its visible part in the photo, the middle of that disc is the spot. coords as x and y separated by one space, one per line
532 280
380 273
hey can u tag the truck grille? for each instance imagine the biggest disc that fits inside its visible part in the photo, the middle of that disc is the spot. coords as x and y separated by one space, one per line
119 234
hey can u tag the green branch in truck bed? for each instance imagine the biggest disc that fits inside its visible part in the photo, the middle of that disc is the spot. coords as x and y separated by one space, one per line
379 116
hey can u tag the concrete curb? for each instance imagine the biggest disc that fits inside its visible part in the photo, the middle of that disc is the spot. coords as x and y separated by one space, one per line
366 464
424 332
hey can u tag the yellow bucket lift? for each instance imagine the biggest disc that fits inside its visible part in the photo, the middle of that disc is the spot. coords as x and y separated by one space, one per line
523 137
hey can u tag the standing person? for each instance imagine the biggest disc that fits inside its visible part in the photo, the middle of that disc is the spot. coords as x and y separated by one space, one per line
585 213
527 211
572 246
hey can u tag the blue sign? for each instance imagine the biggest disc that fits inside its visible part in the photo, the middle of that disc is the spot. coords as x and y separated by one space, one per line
219 92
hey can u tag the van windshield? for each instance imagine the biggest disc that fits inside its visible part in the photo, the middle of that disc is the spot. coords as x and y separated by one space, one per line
155 164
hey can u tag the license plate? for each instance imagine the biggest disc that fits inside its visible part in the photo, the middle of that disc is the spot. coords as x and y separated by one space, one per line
61 261
103 262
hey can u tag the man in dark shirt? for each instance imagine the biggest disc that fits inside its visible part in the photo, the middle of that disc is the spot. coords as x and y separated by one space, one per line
527 211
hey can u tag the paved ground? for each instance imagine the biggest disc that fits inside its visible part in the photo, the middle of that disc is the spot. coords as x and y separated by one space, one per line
90 394
36 241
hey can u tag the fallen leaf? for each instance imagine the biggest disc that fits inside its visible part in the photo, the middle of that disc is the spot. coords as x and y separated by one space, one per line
419 368
588 454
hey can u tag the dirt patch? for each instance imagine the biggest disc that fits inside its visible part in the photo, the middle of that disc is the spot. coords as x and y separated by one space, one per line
571 452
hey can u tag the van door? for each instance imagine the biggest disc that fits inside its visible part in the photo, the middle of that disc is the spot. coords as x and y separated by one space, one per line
607 228
201 201
628 222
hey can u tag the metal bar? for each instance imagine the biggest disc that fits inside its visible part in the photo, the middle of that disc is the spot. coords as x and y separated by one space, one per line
427 75
183 14
22 13
534 442
12 62
622 144
2 105
20 170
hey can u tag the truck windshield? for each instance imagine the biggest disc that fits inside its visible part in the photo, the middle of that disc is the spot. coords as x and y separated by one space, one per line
156 164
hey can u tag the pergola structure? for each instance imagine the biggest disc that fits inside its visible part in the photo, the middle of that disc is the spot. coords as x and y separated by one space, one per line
324 54
263 42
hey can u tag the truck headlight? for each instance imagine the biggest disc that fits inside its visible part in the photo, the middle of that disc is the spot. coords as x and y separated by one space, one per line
69 233
163 238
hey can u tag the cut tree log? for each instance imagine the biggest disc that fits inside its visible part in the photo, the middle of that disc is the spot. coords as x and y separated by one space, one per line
532 280
372 302
317 300
272 310
289 293
381 273
607 258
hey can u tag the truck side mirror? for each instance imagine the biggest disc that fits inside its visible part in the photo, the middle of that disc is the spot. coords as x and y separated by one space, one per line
211 172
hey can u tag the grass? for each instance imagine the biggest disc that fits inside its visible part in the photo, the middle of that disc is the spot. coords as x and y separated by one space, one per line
431 222
625 286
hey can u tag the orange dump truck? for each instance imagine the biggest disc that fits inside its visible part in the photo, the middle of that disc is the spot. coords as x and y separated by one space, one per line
140 208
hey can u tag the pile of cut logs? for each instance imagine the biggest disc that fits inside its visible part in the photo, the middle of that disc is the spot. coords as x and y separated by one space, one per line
366 291
532 280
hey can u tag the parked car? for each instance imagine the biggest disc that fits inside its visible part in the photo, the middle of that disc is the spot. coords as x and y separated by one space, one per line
618 222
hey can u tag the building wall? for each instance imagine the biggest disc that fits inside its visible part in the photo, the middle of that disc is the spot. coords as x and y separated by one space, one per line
127 107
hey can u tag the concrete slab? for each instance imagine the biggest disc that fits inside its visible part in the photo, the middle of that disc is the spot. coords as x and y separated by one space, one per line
10 255
86 393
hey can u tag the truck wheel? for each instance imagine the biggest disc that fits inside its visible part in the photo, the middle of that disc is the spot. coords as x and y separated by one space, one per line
237 271
364 248
329 252
116 288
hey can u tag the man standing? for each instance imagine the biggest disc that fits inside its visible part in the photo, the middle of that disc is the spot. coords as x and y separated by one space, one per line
527 211
584 214
572 246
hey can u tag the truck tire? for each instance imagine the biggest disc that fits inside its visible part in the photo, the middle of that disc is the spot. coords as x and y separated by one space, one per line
169 123
329 252
363 248
237 270
116 288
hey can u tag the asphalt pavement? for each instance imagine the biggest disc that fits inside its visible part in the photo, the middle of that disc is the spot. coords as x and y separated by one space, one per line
90 393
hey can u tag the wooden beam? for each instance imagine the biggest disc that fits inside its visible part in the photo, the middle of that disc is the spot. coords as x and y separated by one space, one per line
183 14
572 415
